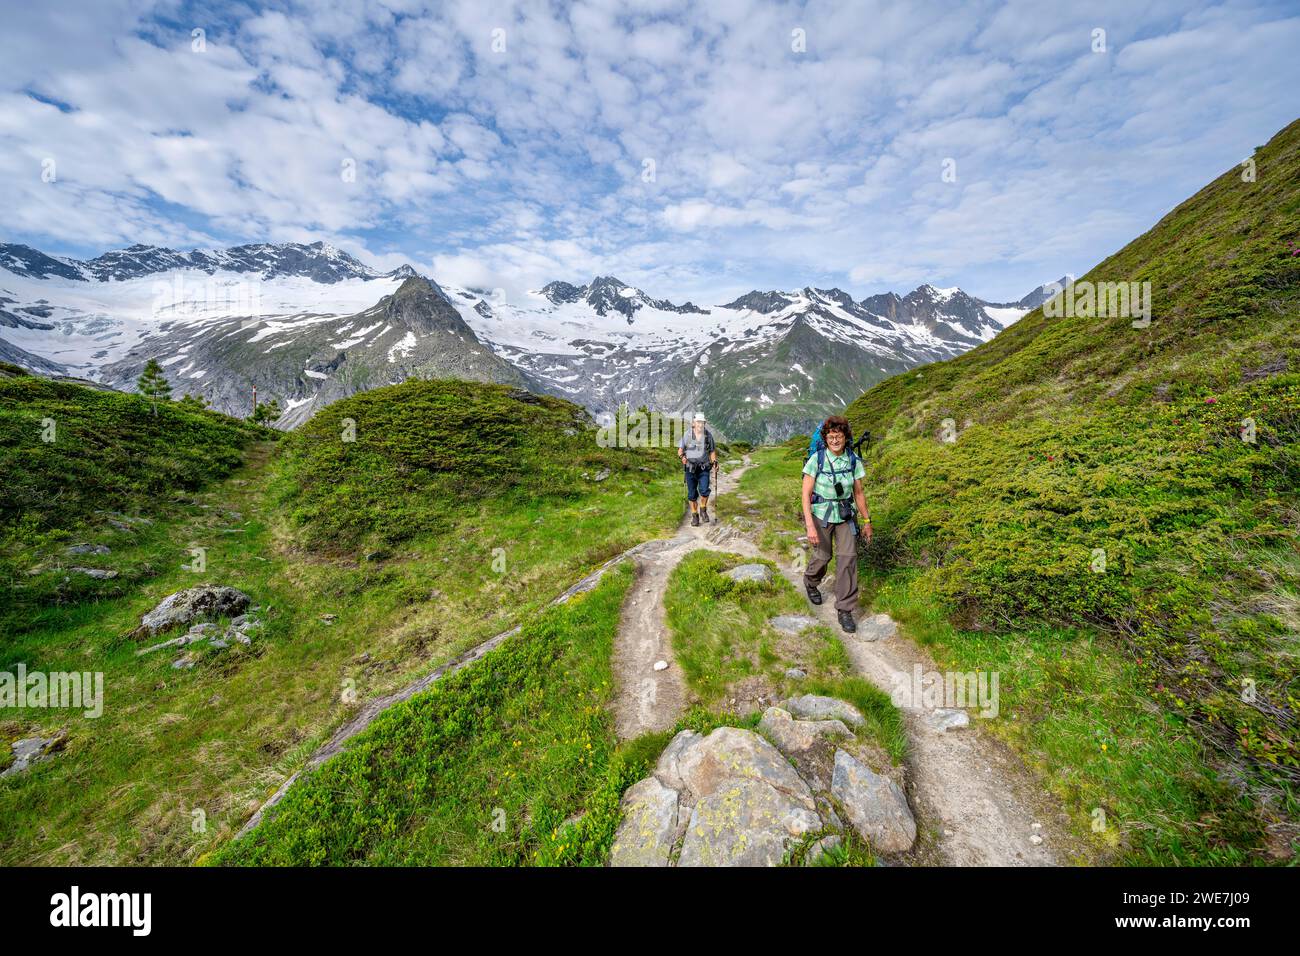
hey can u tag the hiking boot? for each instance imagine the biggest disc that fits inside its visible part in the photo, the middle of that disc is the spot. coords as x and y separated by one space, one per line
695 519
846 622
704 515
813 594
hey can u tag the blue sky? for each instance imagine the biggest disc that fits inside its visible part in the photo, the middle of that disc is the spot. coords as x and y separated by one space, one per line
504 144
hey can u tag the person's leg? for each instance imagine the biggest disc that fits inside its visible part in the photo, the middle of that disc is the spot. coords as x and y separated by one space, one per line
703 486
846 567
692 490
821 557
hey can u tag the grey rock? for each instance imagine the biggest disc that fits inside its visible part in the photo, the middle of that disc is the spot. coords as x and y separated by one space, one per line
745 822
239 621
174 642
751 572
98 573
218 643
878 627
729 754
946 718
795 673
875 805
666 769
794 737
813 707
184 663
88 549
648 827
187 606
792 624
29 750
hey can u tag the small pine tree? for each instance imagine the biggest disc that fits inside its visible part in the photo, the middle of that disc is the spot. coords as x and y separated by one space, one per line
153 385
266 412
193 403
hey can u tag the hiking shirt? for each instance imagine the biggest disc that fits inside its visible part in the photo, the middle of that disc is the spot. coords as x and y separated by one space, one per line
697 450
834 468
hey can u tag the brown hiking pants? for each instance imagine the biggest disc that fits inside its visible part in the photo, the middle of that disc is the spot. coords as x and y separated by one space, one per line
846 563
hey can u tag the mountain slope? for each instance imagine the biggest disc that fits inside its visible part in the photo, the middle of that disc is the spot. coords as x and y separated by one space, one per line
1141 480
297 322
762 366
309 362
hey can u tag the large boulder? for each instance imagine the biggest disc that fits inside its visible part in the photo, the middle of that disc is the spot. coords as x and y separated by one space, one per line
875 805
648 829
193 604
745 822
730 754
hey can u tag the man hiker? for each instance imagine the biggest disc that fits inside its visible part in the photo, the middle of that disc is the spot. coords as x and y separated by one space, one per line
698 456
835 514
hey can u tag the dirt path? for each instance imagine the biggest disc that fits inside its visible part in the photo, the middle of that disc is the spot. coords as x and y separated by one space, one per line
984 807
647 699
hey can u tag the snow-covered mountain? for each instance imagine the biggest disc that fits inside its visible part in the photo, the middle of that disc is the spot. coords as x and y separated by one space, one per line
764 365
308 324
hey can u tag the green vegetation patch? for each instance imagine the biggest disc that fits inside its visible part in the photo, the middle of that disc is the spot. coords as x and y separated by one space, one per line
484 768
386 465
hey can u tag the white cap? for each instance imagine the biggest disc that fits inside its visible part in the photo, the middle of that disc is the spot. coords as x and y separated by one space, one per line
699 417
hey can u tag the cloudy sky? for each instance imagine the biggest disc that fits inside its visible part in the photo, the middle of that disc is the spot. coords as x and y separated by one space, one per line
695 149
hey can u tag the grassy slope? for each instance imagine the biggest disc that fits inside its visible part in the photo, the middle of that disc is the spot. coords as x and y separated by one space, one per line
108 453
484 768
220 737
1085 433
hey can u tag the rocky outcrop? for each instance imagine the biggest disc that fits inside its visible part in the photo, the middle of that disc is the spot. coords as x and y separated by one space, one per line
29 750
740 798
205 602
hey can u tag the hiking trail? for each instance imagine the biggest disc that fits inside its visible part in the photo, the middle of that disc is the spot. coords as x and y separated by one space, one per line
982 806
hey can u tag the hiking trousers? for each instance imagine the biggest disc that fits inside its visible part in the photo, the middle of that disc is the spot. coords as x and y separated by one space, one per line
845 541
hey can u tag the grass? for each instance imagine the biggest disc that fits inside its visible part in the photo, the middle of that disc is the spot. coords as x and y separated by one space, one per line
220 738
484 768
72 461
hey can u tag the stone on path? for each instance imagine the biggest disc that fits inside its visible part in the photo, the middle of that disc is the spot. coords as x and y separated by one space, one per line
798 736
947 718
878 627
813 707
730 754
875 805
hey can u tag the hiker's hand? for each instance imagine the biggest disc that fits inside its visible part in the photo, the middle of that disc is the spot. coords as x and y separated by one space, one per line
865 533
812 533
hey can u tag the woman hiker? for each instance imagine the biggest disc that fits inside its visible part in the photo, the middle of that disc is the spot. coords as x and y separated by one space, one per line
832 486
698 456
